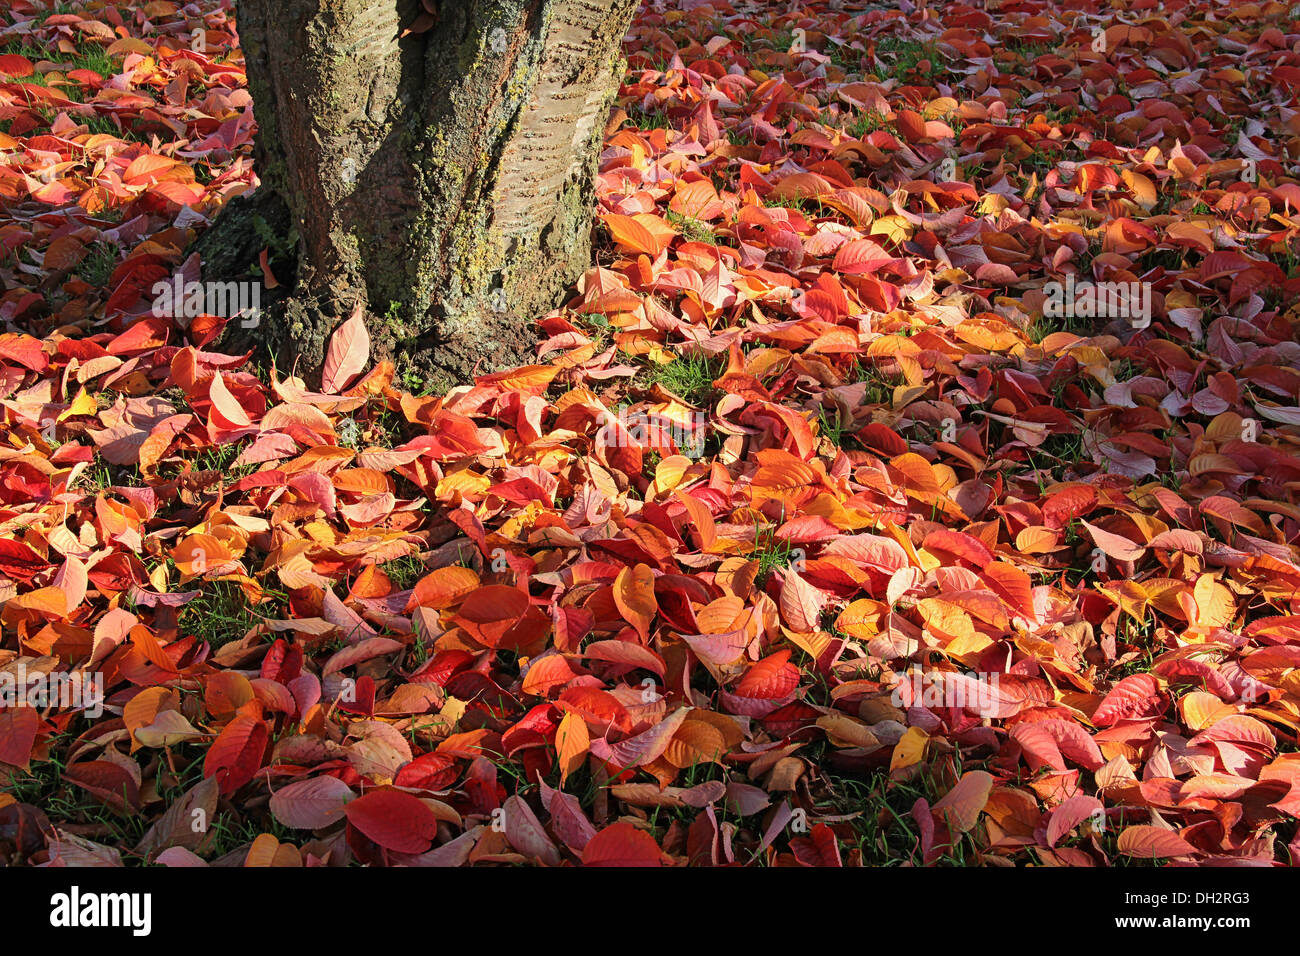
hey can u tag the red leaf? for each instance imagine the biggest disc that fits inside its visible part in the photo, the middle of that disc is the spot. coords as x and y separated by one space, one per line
772 678
621 844
236 755
311 804
1069 815
13 65
1135 696
24 349
819 848
18 727
20 562
395 820
110 782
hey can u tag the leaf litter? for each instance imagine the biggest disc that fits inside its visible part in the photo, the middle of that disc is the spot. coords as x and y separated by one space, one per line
817 534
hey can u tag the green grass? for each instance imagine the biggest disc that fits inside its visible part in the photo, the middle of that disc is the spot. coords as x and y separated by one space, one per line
649 462
868 122
43 786
98 265
101 476
1045 325
883 830
405 571
880 386
1167 259
1027 50
227 833
1060 116
805 205
1167 198
903 58
221 613
1139 636
89 56
57 9
33 53
692 229
222 458
37 784
1067 447
102 123
1286 256
831 425
690 377
771 553
1040 161
647 121
411 380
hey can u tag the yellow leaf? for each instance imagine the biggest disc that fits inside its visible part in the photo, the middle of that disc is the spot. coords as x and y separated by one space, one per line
895 228
910 750
1214 604
1202 709
141 709
844 731
83 404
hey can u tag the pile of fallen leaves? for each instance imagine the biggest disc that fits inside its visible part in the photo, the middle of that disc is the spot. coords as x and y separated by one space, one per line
917 575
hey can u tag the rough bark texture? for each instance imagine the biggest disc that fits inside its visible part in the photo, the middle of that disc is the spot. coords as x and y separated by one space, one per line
445 176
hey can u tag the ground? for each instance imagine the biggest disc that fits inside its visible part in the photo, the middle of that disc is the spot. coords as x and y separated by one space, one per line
817 534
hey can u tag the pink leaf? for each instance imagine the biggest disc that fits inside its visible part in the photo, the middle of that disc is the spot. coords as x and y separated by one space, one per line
348 353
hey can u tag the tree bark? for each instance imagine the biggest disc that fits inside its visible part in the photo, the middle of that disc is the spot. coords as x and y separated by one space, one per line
446 177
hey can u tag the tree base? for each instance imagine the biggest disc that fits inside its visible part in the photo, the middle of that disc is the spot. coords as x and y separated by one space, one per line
230 250
296 324
442 175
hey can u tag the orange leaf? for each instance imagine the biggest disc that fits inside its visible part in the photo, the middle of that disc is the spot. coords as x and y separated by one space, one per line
634 594
443 588
772 678
1152 843
18 727
571 743
228 410
635 235
962 805
1114 545
698 200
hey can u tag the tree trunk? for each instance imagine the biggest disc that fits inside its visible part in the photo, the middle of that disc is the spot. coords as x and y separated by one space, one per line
445 176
